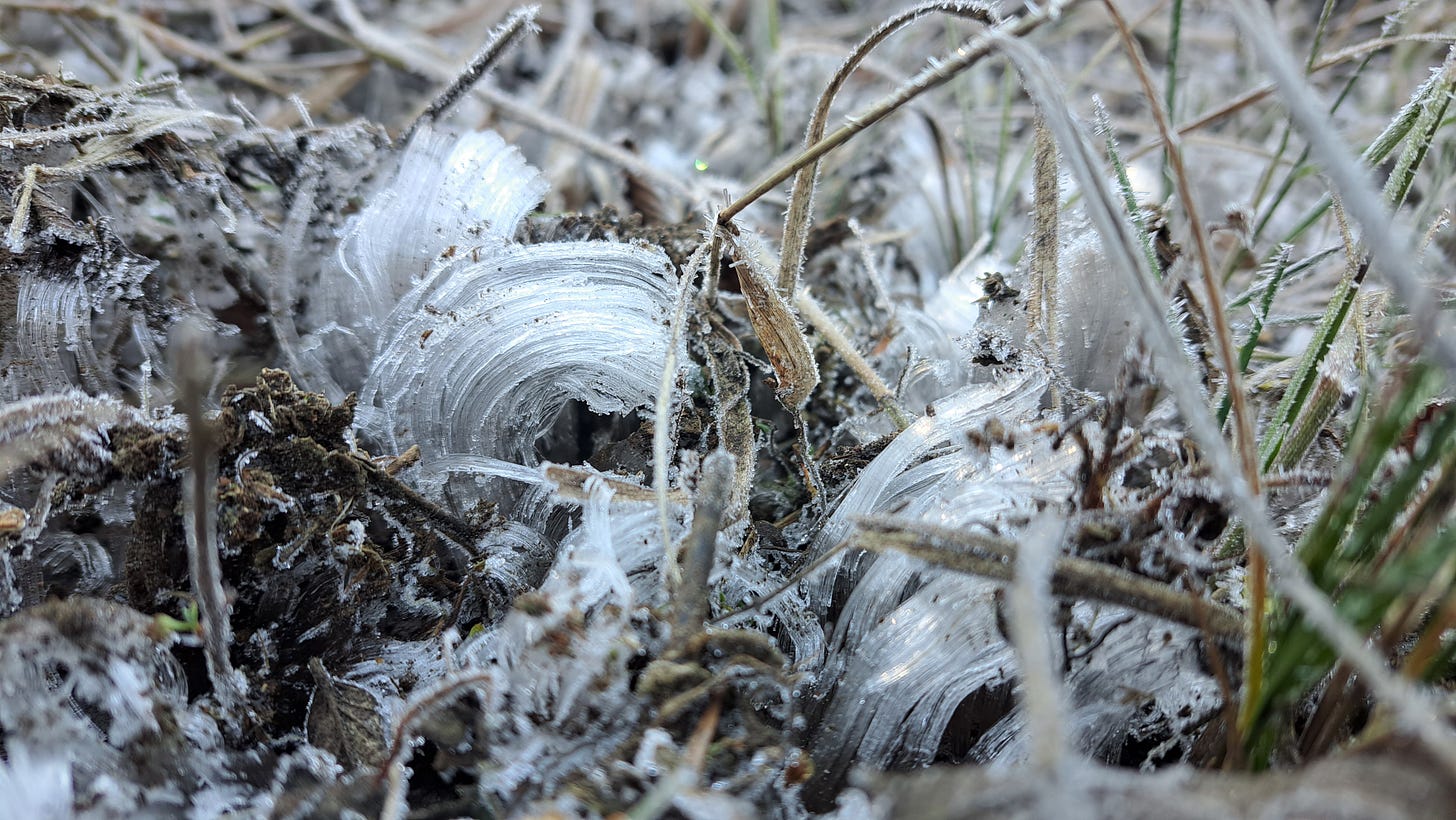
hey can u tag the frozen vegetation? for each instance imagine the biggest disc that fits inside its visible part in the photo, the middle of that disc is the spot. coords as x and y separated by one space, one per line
1061 428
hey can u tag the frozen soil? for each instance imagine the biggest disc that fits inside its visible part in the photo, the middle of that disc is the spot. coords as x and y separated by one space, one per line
366 459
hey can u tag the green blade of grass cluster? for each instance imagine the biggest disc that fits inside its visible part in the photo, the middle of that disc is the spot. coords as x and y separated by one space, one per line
1103 125
1379 150
1275 272
1170 90
1305 377
1002 192
1418 122
1339 551
1294 270
1300 168
1443 666
966 104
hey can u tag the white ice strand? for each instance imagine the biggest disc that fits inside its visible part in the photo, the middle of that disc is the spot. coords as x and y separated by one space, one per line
909 647
505 342
450 195
549 711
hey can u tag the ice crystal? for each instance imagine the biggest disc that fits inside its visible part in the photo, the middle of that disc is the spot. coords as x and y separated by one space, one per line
452 194
909 647
556 689
465 343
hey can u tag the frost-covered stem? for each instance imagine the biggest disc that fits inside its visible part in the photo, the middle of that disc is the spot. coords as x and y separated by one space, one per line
12 138
937 74
1223 339
715 488
397 783
194 374
814 312
662 427
1041 308
1031 628
1072 578
519 23
801 198
1416 711
20 221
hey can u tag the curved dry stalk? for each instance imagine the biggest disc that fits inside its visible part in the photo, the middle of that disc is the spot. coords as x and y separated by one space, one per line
194 375
401 738
801 199
933 76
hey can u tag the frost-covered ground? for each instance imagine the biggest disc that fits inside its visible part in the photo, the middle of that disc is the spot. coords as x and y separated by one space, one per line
386 440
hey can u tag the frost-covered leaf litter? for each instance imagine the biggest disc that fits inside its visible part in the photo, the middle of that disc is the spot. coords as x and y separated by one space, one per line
510 619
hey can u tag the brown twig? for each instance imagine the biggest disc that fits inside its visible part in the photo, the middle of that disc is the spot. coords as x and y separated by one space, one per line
993 557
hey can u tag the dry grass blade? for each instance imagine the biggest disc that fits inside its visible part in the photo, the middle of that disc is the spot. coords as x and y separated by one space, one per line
1263 92
784 343
817 316
1223 336
1041 305
520 23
